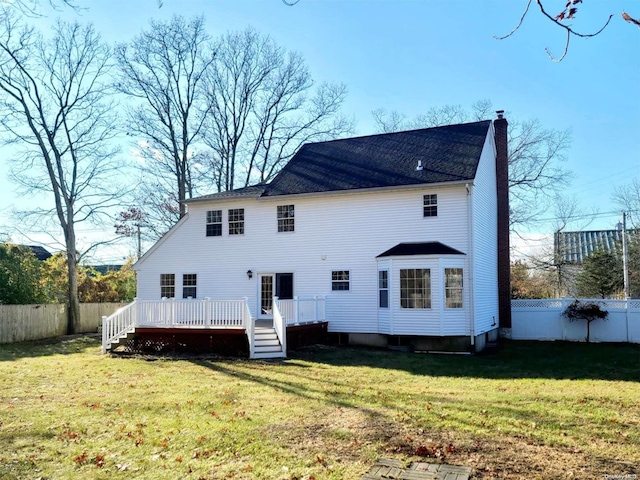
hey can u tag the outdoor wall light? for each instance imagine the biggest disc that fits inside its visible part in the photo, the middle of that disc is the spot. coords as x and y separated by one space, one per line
249 274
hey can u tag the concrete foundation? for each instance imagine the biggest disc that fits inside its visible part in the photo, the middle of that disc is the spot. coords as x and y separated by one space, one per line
417 343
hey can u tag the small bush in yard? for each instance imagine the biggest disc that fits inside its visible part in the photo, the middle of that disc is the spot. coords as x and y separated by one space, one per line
588 311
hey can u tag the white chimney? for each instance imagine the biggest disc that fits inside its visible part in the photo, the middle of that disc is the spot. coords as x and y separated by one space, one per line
419 167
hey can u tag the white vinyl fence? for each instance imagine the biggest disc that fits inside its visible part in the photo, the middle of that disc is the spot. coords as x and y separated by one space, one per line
543 320
20 323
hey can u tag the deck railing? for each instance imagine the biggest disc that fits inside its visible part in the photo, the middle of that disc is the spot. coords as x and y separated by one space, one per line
250 328
192 313
178 314
119 324
279 325
302 309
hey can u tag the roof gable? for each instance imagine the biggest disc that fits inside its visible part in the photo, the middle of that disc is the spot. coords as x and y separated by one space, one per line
447 154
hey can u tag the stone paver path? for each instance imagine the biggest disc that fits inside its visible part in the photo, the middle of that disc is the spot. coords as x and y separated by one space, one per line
388 468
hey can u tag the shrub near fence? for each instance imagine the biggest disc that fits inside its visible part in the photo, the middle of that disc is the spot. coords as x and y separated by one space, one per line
543 320
20 323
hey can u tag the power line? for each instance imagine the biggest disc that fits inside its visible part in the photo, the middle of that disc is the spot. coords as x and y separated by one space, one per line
582 216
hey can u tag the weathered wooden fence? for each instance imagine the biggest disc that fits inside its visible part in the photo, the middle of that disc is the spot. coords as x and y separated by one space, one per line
543 320
19 323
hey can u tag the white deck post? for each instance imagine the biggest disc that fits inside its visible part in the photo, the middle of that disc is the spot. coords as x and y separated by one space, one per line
249 326
206 314
296 312
104 334
137 312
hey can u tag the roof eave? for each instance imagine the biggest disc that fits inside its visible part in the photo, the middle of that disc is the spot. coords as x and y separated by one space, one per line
352 191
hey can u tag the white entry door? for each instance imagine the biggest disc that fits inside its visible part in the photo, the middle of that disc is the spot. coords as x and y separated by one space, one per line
270 284
266 284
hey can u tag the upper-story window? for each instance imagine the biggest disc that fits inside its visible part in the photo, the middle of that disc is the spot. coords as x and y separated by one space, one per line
340 280
286 221
430 205
236 221
167 285
189 285
214 223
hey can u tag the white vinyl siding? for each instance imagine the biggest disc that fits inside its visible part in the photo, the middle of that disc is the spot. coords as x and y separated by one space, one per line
369 223
485 267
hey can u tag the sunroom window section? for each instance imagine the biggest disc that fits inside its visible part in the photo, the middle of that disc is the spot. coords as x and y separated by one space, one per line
415 288
453 287
383 289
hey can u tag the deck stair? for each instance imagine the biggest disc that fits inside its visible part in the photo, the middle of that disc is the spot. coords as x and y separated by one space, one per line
123 337
267 344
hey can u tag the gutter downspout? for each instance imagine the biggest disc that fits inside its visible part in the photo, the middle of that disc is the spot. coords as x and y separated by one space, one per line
471 259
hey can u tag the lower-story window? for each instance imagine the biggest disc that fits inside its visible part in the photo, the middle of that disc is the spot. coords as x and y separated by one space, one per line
383 289
340 280
453 287
415 288
189 283
167 285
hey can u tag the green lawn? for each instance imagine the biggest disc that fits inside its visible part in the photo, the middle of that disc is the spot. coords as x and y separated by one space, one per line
533 410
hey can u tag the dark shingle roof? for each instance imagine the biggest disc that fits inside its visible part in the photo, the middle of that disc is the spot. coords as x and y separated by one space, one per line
449 153
41 253
420 248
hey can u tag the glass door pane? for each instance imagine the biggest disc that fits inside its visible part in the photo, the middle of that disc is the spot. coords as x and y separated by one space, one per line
266 295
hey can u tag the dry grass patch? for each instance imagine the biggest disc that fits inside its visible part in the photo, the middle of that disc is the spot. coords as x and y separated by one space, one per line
532 411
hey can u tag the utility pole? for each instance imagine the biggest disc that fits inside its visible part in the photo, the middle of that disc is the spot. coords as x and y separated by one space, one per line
625 259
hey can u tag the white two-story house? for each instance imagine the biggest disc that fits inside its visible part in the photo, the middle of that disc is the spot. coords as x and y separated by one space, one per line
398 232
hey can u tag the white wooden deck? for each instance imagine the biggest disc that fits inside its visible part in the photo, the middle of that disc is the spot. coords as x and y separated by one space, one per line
219 314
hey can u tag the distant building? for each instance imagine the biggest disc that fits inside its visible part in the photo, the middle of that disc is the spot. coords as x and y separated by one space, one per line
103 269
40 253
573 247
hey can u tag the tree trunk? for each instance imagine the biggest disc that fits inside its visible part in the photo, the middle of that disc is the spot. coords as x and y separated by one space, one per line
73 302
73 313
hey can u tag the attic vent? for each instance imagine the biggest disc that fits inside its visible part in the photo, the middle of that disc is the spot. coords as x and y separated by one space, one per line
419 166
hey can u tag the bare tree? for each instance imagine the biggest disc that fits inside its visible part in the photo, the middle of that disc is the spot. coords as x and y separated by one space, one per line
56 107
535 154
264 108
131 223
569 12
627 197
32 8
162 69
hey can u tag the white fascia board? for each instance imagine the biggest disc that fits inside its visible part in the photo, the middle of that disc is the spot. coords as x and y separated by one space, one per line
358 191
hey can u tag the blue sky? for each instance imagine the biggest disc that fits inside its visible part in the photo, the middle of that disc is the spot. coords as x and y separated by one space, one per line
413 55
